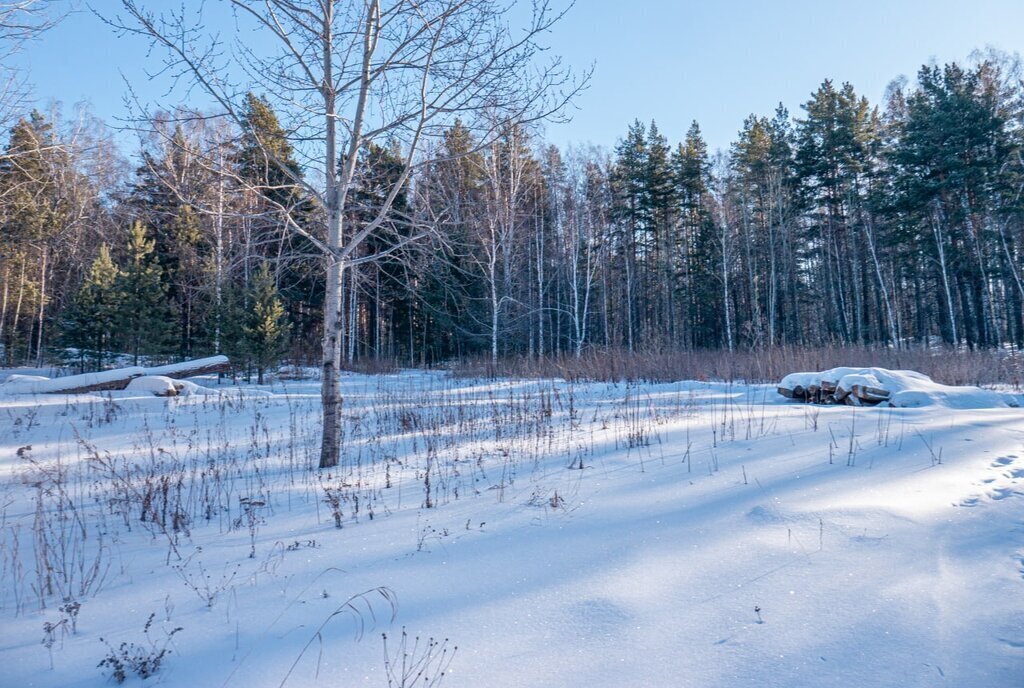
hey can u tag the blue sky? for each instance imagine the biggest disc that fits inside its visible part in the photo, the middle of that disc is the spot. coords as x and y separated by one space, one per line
713 61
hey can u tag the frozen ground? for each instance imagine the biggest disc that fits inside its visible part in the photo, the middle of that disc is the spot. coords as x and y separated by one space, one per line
715 536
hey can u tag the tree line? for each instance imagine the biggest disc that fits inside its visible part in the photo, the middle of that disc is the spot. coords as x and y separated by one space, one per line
898 224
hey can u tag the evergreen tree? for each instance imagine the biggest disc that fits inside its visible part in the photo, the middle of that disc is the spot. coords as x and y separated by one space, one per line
90 322
233 316
265 156
184 264
145 317
450 296
955 151
265 162
659 241
630 210
266 329
695 275
387 296
171 185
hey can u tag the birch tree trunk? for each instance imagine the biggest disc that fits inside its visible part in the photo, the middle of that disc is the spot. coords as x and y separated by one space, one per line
870 237
418 67
42 306
940 246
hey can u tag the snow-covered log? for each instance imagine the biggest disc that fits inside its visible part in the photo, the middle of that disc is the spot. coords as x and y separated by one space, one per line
201 366
112 380
792 389
76 384
870 395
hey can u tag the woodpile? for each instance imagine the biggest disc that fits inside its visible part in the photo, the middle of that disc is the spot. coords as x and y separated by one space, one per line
850 389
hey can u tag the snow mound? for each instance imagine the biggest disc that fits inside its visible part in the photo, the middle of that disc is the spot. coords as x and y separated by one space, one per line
163 386
187 389
897 388
24 378
158 385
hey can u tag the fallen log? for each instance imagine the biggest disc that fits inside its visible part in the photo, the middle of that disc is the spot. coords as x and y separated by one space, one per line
841 393
201 366
117 379
795 392
77 384
870 395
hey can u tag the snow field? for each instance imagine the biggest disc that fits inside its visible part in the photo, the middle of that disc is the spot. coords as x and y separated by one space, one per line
880 546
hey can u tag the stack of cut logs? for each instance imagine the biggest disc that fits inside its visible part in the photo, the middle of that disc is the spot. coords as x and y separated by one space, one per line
831 392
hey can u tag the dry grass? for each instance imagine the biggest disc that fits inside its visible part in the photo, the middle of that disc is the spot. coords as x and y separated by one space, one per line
942 365
372 366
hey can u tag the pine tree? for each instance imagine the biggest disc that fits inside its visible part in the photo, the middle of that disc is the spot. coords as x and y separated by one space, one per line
266 329
659 247
695 273
91 320
953 149
387 297
266 164
145 317
265 157
628 186
449 294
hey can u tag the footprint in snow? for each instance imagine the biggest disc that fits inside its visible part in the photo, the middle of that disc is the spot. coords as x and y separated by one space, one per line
1008 474
1002 493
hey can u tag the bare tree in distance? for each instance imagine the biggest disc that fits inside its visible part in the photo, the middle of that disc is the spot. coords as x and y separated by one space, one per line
344 73
20 22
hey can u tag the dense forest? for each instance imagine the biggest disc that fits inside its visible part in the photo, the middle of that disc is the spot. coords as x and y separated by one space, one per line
895 224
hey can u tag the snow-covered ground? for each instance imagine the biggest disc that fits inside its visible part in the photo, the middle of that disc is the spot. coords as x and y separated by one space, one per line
715 535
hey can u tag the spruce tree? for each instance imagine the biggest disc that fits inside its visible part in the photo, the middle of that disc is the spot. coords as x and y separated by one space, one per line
266 329
145 315
233 316
91 319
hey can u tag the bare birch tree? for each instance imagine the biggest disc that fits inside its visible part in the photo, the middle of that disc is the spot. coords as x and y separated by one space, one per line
20 22
348 72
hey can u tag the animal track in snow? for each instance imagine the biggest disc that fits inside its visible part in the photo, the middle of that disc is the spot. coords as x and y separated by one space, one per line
1001 485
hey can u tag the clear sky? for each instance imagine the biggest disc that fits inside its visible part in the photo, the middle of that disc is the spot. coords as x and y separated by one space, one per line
715 61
